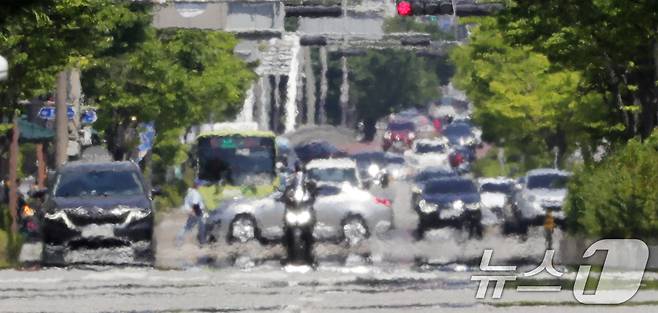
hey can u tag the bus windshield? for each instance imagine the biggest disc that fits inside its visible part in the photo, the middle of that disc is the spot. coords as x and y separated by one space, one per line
236 159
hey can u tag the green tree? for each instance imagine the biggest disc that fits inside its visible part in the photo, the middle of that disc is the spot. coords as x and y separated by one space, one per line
523 101
617 198
387 81
613 43
175 78
40 38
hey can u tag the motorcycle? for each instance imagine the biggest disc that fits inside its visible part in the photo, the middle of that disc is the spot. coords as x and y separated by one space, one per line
299 220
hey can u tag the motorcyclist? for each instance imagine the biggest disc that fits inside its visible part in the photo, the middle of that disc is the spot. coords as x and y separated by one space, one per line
299 217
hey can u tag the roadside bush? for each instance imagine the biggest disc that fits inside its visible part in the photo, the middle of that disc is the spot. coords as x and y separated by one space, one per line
617 198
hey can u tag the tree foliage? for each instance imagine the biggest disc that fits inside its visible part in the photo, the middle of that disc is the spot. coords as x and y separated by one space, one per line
523 101
613 43
40 38
618 198
387 81
175 78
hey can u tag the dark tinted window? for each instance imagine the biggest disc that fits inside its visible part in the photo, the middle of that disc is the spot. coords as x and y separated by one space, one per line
98 183
496 187
334 175
426 148
234 158
394 160
457 130
550 181
401 126
328 191
429 175
450 186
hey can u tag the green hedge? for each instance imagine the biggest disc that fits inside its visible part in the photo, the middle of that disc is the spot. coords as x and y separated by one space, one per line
617 198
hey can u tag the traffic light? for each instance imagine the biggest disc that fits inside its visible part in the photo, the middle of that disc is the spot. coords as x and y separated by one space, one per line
445 7
423 7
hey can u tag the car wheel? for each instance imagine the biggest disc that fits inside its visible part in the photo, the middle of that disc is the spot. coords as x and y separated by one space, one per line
419 233
53 255
243 229
355 230
144 252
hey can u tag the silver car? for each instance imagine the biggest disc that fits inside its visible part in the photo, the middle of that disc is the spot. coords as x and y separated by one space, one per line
538 191
343 212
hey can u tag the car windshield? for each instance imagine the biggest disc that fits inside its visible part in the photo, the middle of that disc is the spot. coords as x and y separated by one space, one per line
367 158
430 148
457 130
401 126
429 175
394 160
450 186
235 158
98 183
549 181
325 191
496 187
333 175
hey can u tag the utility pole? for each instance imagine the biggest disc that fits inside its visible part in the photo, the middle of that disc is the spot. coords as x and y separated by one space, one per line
61 120
13 164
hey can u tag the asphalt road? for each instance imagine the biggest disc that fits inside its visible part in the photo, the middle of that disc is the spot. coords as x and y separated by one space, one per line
269 288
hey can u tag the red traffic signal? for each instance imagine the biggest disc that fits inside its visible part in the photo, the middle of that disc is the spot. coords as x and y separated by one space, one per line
404 8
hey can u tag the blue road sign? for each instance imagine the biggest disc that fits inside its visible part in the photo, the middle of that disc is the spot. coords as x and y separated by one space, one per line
70 113
89 117
47 113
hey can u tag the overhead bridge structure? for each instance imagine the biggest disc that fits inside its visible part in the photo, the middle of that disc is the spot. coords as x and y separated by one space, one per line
289 90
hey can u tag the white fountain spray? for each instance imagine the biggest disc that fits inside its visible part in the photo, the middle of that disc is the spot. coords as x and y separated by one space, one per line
324 86
247 113
291 88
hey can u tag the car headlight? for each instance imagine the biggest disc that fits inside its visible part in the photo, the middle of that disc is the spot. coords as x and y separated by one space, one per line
427 207
412 136
373 170
387 135
473 206
458 205
295 218
136 215
60 216
416 189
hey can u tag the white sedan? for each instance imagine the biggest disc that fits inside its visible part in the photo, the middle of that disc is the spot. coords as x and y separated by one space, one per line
426 153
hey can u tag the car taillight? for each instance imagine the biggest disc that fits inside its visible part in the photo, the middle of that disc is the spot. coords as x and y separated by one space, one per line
383 201
456 159
412 136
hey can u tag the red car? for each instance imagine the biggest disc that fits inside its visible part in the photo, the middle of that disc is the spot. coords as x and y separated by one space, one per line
399 136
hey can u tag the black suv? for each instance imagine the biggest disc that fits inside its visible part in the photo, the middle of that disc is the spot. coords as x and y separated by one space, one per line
97 205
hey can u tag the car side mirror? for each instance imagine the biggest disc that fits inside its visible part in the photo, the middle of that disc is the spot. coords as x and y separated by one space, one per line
39 193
